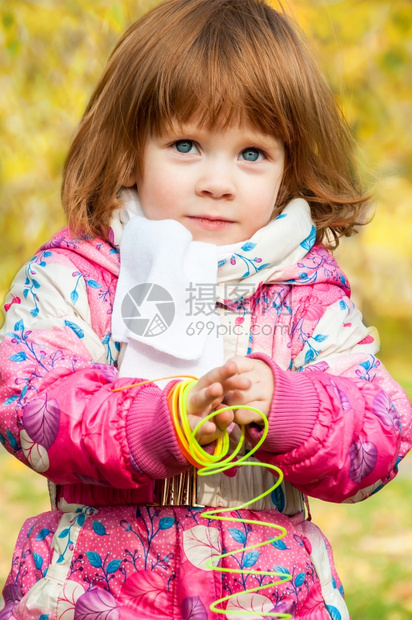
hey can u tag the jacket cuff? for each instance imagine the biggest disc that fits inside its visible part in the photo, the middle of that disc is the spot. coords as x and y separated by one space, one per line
153 446
293 413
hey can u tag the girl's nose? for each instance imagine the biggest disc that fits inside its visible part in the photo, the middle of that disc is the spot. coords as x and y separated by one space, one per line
216 181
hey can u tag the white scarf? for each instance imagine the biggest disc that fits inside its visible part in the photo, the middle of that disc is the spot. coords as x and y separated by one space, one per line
159 259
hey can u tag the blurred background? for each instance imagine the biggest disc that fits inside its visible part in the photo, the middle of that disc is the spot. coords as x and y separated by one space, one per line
51 55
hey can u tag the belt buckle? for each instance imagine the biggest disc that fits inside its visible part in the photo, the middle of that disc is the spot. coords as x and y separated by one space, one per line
180 490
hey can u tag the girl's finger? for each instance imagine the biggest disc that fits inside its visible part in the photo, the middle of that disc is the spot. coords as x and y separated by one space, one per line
237 397
207 429
198 401
218 375
207 433
224 419
243 364
238 382
245 416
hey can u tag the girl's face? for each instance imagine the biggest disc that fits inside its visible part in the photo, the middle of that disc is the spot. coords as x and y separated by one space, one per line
221 185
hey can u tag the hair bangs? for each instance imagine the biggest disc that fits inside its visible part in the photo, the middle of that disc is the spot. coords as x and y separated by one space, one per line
216 78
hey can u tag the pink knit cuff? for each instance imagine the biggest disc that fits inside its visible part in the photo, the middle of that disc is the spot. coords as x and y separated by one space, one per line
154 450
293 413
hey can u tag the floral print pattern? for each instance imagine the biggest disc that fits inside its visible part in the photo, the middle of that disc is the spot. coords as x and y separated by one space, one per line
134 571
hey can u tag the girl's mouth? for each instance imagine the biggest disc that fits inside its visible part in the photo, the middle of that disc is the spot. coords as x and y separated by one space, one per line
210 223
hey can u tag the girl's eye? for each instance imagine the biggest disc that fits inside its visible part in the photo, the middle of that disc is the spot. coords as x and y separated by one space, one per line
252 154
185 146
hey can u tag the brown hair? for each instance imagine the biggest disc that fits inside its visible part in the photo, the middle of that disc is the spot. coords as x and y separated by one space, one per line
220 61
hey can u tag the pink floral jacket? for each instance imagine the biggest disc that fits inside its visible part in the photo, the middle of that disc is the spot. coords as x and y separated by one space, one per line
338 426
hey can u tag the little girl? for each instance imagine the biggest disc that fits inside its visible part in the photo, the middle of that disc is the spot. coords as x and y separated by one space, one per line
209 175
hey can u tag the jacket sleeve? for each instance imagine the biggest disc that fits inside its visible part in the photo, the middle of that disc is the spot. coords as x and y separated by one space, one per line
339 424
61 409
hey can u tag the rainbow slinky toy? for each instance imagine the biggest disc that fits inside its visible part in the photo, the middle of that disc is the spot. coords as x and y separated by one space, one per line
220 461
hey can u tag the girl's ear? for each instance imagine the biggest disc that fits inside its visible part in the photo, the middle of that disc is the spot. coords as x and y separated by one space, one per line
129 181
130 175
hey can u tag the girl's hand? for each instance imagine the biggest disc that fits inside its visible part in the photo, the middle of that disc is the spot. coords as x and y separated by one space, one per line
208 394
258 394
